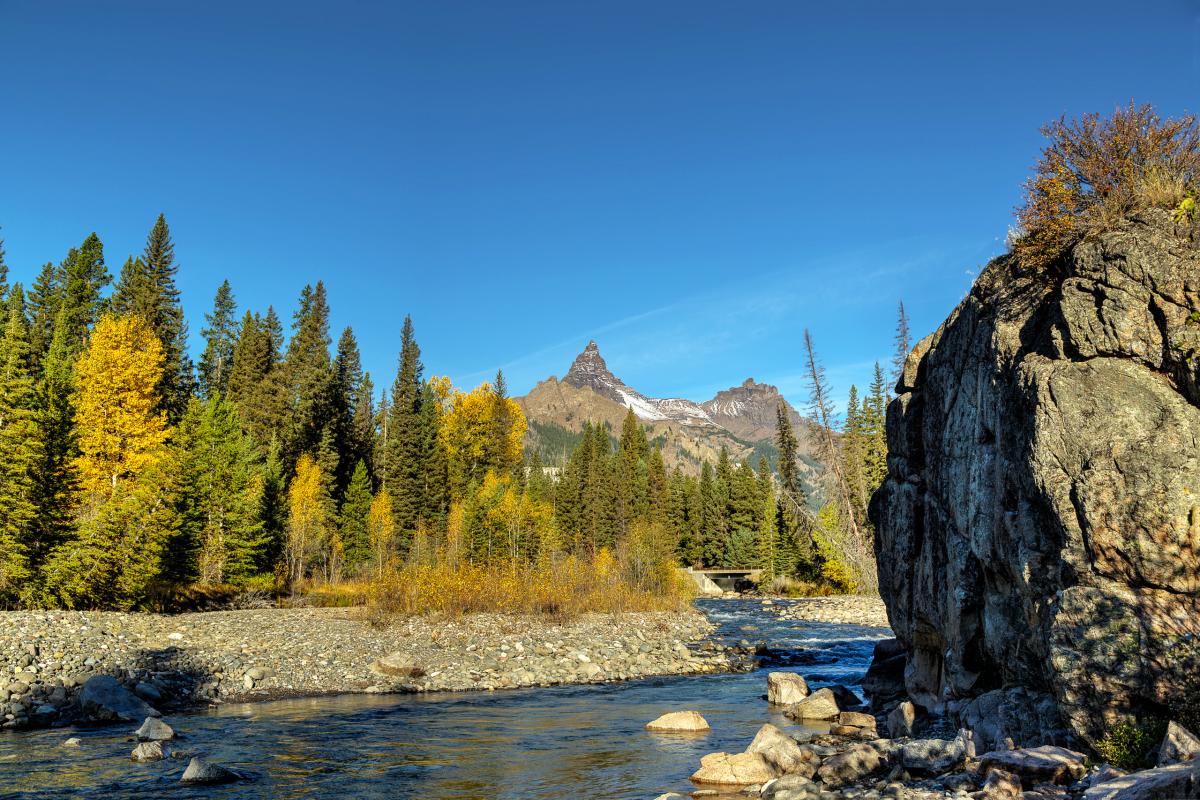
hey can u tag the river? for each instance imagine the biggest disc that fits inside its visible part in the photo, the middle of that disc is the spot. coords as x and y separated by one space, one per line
559 742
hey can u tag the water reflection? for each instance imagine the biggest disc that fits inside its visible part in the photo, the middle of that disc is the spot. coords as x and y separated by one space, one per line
527 743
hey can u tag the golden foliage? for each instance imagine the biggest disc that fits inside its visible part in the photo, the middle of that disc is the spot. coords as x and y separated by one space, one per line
561 588
469 431
381 530
120 431
308 516
1094 171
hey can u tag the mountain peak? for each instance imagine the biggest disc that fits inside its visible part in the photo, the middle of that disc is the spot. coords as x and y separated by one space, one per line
589 370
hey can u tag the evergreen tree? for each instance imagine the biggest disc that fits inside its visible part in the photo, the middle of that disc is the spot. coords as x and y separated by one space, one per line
3 275
147 289
20 452
256 379
712 517
354 519
347 383
500 457
363 423
116 555
407 435
874 416
43 310
308 378
221 336
222 486
903 346
658 493
854 452
79 279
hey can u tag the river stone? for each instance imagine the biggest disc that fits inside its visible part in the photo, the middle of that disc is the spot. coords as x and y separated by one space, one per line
148 751
1000 785
202 771
884 682
671 796
1046 764
154 730
733 769
857 719
933 756
148 692
782 751
901 720
821 704
849 765
74 741
1039 524
1179 744
397 665
790 787
786 688
1171 781
679 721
104 699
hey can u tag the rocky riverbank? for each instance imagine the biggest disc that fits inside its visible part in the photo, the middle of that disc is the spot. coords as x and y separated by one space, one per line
851 609
853 761
235 656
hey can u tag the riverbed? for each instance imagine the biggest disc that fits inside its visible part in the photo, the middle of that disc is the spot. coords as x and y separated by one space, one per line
555 742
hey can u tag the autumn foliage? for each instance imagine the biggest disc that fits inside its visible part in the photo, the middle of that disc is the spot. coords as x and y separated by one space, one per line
1096 170
121 430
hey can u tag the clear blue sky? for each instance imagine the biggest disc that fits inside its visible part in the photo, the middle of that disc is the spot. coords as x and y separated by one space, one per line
690 183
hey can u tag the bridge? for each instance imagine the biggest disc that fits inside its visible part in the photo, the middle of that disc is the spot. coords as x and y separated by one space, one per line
712 581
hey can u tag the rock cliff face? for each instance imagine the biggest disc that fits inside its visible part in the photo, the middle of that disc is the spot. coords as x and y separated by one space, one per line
1039 529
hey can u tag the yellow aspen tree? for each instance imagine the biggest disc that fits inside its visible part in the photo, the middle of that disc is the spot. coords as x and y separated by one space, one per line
307 517
381 528
120 431
469 434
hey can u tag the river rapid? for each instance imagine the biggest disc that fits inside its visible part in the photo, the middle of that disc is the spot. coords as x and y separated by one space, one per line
558 742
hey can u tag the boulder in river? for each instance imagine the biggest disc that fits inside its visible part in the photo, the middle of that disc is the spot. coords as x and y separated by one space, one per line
1039 525
203 771
786 688
148 751
733 769
104 699
790 787
679 722
782 751
901 720
821 704
154 730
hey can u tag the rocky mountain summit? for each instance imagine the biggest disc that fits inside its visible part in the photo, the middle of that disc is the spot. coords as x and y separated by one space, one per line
741 418
1038 532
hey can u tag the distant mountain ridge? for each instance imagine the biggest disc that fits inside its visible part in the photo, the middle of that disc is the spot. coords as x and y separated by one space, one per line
741 418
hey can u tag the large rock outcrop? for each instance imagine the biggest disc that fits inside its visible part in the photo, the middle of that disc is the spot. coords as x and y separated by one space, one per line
1040 523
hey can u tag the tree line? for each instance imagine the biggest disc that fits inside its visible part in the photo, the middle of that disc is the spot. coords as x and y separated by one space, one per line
127 471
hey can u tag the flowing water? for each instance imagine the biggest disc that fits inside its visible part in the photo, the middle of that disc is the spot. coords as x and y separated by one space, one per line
559 742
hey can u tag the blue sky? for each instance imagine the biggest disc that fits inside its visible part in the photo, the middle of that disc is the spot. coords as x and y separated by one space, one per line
690 183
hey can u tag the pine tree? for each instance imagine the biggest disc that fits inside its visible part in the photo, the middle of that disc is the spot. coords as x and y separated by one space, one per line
79 279
147 289
116 555
712 517
308 376
854 452
223 537
658 492
221 336
20 452
435 478
874 413
43 310
347 388
354 519
364 422
767 535
3 275
407 434
501 458
903 346
120 432
256 379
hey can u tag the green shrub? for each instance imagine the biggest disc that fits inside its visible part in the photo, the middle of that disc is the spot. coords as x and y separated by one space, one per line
1131 745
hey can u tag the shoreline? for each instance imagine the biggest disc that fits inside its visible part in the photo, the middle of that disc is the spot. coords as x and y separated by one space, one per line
188 661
